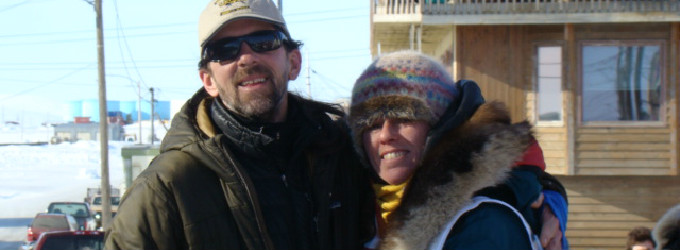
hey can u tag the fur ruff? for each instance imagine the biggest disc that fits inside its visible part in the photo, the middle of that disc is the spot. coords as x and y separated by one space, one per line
475 155
667 227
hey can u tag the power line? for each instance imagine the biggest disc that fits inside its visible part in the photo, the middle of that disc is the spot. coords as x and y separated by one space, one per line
46 84
119 29
331 82
328 19
323 11
168 61
145 34
338 57
174 25
339 51
55 41
42 34
12 6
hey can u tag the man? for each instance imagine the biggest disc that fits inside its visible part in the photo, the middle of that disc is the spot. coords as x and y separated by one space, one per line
247 165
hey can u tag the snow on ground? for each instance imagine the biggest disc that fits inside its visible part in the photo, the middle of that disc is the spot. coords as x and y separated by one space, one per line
33 176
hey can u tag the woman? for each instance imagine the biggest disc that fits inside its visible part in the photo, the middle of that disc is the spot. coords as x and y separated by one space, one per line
433 145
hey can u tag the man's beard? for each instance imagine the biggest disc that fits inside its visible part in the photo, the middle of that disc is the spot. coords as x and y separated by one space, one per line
256 106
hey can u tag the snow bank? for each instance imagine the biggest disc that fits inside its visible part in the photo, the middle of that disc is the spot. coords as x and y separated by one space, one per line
33 176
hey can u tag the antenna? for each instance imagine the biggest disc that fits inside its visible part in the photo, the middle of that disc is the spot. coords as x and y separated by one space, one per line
309 84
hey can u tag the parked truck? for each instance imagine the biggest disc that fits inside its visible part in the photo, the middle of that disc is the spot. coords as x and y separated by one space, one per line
94 198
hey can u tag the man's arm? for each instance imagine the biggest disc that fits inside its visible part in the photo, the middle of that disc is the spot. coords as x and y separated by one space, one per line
144 220
554 220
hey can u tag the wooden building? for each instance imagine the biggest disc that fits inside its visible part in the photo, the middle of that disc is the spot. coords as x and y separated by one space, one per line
598 79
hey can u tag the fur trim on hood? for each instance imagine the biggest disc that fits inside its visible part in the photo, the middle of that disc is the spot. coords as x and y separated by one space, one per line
467 158
667 230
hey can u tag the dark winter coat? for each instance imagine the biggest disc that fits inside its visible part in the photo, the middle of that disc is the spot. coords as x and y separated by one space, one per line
197 195
472 148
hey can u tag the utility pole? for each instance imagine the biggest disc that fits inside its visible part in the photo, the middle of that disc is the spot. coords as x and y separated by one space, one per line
153 135
139 113
103 121
281 6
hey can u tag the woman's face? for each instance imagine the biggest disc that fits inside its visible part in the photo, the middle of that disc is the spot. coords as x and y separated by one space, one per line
395 148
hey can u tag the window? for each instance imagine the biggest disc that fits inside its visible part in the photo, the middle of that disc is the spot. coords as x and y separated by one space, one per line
549 81
621 81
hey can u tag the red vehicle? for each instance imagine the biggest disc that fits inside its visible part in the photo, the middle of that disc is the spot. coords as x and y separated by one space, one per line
44 222
70 240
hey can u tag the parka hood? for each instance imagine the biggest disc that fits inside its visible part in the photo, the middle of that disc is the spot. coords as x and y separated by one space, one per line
190 124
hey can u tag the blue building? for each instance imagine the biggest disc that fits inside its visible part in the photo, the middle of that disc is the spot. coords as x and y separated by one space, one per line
90 108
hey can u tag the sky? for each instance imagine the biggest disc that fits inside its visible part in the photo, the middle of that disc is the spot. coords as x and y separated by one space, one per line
49 51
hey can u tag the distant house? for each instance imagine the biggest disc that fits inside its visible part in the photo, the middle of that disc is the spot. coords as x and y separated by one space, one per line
83 129
598 78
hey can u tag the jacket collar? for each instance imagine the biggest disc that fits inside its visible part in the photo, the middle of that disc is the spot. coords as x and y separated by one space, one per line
194 122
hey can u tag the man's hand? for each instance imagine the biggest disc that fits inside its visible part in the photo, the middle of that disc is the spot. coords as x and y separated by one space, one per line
551 235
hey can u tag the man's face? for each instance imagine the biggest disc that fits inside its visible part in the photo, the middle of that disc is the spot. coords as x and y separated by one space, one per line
254 84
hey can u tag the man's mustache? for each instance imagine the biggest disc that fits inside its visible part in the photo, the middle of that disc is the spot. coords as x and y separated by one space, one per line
257 69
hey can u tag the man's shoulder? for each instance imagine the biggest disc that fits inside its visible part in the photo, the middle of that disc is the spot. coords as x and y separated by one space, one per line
332 111
174 163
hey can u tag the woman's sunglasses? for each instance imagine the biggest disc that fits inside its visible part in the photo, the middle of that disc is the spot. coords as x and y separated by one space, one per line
227 49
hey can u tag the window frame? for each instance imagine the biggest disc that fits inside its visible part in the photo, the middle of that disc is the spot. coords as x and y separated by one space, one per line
535 84
663 64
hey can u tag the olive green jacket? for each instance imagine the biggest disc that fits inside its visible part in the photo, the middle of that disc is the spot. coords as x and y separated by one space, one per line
195 195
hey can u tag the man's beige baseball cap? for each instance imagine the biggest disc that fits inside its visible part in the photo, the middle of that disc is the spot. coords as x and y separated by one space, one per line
220 12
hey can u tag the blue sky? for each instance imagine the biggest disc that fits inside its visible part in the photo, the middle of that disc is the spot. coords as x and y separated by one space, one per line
49 53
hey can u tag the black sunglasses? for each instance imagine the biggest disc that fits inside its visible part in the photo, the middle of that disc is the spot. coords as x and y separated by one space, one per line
227 49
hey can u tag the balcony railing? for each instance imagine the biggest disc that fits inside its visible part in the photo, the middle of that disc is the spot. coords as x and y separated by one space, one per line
491 7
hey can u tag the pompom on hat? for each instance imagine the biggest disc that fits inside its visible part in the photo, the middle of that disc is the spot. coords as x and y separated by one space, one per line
400 85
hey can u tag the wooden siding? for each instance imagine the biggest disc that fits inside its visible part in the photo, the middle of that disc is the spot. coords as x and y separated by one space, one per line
672 93
618 149
500 59
623 151
603 209
477 12
491 56
553 141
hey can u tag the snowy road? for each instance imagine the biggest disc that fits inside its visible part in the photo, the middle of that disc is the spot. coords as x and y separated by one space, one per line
33 176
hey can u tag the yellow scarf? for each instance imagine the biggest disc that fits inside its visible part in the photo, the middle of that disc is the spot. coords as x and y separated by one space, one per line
388 197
